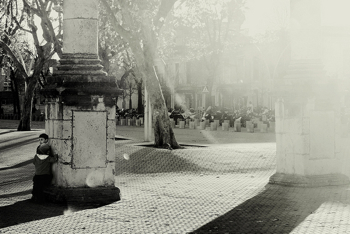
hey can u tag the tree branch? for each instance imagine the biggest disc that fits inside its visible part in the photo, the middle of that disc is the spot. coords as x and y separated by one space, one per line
121 31
164 8
14 59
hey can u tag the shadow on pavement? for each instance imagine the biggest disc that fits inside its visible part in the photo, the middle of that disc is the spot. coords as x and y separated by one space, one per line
146 160
277 209
25 163
27 211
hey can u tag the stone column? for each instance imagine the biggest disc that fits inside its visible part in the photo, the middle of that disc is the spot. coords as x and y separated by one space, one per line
308 130
80 113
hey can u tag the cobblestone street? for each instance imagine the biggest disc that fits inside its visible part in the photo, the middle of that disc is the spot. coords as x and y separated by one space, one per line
216 188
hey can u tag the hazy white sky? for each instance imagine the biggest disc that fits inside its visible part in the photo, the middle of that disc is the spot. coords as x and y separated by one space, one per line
272 14
266 14
335 12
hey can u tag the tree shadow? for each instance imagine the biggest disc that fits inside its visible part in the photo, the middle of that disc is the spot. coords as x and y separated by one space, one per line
277 209
144 160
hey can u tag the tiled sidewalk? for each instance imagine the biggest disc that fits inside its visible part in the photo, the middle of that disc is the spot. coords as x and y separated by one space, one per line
176 202
221 188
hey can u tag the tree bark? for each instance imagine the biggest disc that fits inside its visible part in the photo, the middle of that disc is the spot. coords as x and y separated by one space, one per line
130 101
140 108
145 55
163 133
25 122
15 94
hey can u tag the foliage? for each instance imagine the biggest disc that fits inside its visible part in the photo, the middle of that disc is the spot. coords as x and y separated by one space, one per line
204 32
138 23
203 28
19 21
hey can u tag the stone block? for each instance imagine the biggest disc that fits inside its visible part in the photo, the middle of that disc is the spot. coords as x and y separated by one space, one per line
237 126
321 167
182 124
203 125
263 127
50 133
217 122
322 136
67 113
111 111
196 122
111 129
66 129
213 126
305 128
63 148
82 30
89 139
111 150
46 111
86 196
192 125
250 126
47 126
58 129
225 126
122 122
80 9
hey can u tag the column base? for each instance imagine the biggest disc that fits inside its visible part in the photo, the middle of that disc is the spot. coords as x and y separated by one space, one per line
83 196
309 181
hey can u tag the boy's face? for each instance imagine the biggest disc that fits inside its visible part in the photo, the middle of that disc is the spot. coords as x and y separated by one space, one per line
42 140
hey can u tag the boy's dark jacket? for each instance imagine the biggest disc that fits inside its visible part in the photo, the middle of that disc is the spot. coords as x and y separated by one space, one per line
43 167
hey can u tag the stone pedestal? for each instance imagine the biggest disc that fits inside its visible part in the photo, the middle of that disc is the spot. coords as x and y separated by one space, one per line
237 126
182 124
217 122
80 113
311 151
249 126
196 122
213 126
225 126
192 125
263 127
203 125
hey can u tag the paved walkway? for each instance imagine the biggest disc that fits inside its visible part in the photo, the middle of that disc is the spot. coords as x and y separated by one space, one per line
220 188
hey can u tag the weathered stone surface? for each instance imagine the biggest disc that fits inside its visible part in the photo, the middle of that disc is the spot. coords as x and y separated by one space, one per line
309 181
80 113
98 195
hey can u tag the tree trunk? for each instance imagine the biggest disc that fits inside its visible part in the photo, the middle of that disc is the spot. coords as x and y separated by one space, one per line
25 122
15 93
140 108
130 101
163 133
144 49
